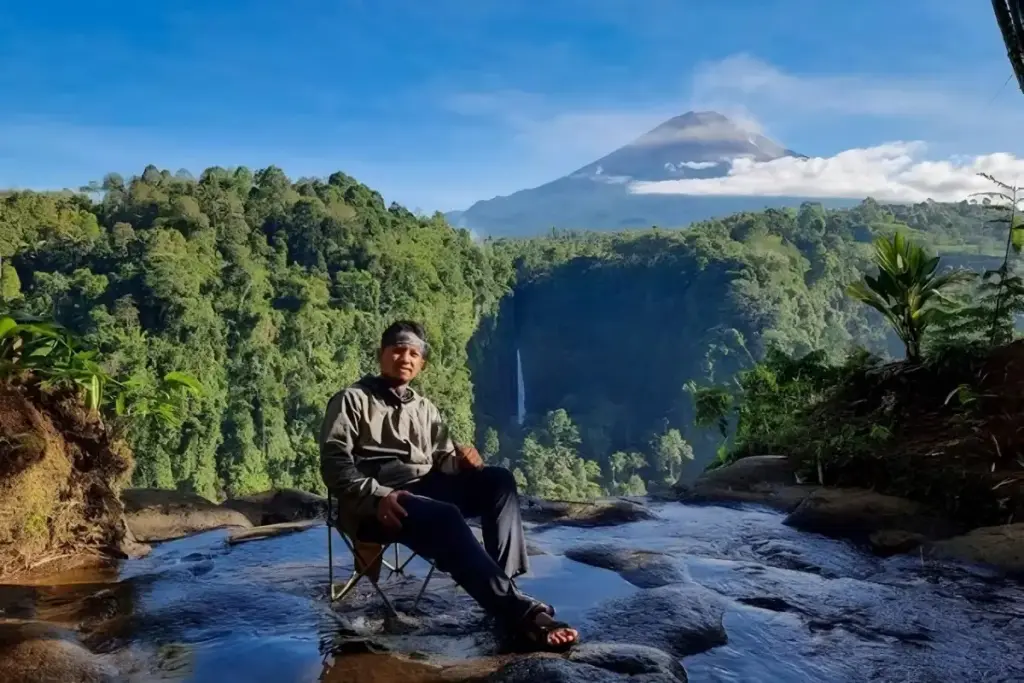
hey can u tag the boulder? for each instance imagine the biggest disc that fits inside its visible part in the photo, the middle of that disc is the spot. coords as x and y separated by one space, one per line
598 662
131 548
629 660
269 531
156 515
642 568
604 512
859 513
682 620
745 473
606 663
998 546
279 505
36 652
888 542
764 479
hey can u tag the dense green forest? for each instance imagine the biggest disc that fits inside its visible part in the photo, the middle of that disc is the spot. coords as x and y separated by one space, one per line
273 294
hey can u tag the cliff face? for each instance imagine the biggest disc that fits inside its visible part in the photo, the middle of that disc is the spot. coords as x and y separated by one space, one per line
61 472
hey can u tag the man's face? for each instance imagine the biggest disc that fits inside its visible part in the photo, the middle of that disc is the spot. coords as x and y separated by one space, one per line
401 363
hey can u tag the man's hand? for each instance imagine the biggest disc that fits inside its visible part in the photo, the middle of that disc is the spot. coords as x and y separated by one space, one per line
390 512
468 458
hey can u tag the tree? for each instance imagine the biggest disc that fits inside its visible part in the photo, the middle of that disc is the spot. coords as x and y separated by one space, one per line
906 291
551 464
624 471
491 445
670 449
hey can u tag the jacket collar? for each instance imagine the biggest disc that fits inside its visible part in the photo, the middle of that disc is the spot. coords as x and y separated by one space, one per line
385 389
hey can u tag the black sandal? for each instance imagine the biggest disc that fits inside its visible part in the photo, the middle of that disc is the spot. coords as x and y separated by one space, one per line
535 604
533 637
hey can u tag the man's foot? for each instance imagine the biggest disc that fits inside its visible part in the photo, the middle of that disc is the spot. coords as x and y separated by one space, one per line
557 634
539 631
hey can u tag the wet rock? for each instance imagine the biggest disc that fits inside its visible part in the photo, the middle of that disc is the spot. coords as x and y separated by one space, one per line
613 663
765 479
888 542
772 604
787 555
999 546
631 660
748 472
278 506
683 620
158 515
269 531
34 652
642 568
606 512
130 547
859 513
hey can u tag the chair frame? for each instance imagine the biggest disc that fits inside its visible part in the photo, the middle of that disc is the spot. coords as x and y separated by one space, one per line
339 592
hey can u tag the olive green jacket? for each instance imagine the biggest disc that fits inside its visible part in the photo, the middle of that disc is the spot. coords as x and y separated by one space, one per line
374 440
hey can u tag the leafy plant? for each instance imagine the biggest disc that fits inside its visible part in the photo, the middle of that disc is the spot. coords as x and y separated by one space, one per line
907 291
1010 288
52 356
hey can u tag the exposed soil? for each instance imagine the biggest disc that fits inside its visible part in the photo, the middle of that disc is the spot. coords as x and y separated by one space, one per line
61 472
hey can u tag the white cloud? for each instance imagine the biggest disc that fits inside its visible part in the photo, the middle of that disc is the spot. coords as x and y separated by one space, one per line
893 172
943 108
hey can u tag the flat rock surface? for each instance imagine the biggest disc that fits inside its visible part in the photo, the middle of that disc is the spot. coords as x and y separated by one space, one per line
257 533
998 546
155 515
608 512
859 512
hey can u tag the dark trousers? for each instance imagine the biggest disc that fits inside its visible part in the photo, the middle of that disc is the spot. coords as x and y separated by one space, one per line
435 527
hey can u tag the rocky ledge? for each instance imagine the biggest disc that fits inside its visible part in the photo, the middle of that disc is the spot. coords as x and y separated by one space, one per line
763 479
155 515
887 524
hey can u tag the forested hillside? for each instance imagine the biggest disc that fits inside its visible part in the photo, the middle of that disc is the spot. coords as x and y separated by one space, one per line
612 327
273 293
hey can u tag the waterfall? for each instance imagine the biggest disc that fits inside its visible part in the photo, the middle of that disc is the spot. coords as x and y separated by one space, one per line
520 390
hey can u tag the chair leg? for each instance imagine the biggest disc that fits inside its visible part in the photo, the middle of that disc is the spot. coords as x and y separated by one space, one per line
423 588
356 573
401 568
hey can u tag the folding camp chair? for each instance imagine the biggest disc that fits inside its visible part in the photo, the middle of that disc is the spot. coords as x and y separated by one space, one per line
367 560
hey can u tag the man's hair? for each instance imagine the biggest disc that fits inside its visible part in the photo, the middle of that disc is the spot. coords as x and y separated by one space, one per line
410 326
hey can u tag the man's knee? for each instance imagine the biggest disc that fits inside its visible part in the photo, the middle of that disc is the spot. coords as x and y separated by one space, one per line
433 513
498 479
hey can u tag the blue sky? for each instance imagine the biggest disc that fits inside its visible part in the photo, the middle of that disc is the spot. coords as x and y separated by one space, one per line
440 103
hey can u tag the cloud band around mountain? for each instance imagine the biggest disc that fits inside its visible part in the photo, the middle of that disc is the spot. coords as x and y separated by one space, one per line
895 172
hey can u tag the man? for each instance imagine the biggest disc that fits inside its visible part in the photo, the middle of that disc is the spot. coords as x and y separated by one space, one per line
386 454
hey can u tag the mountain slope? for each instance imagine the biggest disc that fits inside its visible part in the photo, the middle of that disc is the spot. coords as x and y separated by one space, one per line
597 196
